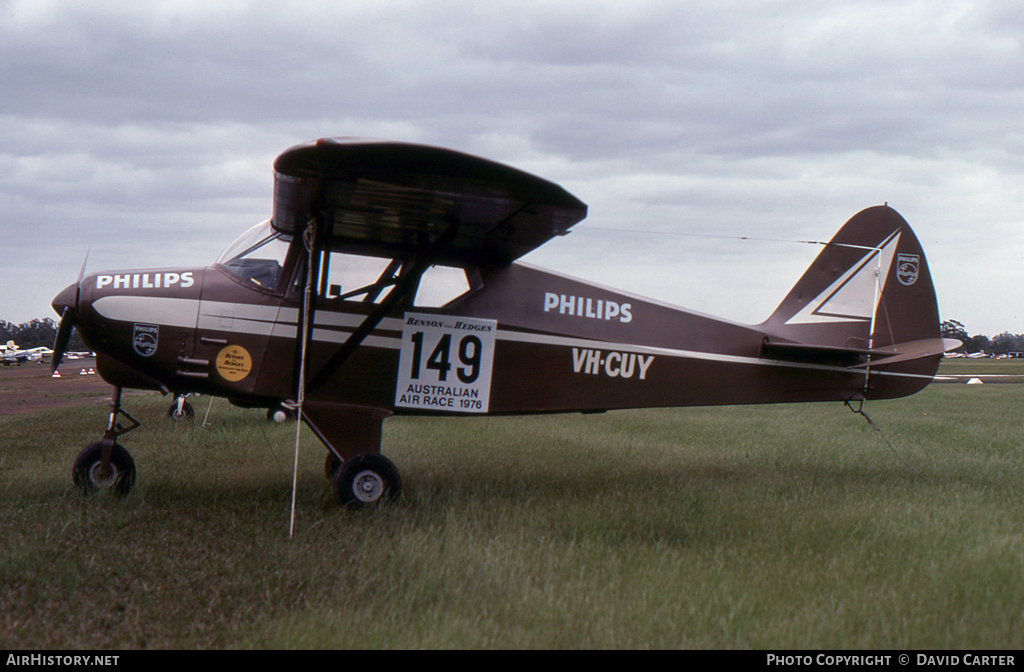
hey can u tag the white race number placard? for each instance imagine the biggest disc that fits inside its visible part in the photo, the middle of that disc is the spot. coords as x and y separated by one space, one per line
445 363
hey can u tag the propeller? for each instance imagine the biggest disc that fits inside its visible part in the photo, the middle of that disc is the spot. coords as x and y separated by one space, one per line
66 303
60 344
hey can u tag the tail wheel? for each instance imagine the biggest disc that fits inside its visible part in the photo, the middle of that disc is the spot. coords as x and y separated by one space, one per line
367 480
88 473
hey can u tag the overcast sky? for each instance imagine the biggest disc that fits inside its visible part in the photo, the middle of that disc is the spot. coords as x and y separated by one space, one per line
147 130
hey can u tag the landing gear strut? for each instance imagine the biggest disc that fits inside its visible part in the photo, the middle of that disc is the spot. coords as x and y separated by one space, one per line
359 474
106 464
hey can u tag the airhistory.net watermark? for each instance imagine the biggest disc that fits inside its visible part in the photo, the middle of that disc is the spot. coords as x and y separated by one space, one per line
52 660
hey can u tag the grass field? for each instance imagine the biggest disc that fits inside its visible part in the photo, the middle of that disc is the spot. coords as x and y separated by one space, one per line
981 367
758 527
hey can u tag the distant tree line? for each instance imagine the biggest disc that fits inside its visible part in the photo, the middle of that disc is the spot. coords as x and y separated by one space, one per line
999 344
36 333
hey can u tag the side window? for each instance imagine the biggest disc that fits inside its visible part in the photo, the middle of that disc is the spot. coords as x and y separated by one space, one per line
441 285
351 277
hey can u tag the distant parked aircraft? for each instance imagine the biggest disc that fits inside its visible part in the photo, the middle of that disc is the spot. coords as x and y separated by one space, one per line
12 354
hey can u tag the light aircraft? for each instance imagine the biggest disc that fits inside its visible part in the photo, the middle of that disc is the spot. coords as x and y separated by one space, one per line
10 348
387 282
12 354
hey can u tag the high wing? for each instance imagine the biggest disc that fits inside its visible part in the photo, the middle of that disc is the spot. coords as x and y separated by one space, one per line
397 199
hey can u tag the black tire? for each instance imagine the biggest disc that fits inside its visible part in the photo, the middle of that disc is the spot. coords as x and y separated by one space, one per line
186 412
280 414
367 480
331 465
86 470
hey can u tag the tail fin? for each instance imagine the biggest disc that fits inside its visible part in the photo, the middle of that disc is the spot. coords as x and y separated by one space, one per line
867 301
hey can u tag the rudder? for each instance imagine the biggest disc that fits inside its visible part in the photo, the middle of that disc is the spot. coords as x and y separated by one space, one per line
869 288
866 304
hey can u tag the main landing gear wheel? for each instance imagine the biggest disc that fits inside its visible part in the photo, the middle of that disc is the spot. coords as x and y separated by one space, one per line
180 411
367 480
87 471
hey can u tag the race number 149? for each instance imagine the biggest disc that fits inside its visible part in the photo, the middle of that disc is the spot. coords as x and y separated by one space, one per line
445 363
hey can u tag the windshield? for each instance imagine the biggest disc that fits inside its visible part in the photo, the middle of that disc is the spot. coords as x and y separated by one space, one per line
257 256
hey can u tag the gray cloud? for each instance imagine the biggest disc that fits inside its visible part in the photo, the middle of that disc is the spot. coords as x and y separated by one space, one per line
149 130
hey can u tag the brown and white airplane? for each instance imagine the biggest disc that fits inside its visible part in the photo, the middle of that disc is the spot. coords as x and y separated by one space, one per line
386 282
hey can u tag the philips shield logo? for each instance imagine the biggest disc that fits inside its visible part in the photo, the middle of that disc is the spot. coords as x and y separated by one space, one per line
906 268
144 339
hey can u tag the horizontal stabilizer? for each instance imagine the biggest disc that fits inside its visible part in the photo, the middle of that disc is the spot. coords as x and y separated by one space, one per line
853 357
807 353
928 347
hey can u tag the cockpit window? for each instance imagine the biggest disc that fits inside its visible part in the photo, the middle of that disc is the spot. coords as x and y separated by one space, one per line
257 256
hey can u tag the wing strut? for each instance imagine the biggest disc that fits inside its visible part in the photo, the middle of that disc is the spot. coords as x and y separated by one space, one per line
309 239
407 282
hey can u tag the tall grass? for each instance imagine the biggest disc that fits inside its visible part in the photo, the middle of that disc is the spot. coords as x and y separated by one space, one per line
760 527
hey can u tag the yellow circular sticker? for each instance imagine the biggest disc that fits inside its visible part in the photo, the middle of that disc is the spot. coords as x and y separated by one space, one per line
234 363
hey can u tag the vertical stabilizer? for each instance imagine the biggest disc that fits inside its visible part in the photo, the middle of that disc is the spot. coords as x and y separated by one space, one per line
870 288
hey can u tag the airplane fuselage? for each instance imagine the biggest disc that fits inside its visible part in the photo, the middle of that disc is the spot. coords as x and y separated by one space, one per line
524 340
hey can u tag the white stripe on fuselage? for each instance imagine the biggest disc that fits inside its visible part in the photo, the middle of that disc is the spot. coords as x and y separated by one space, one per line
271 321
161 310
248 318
